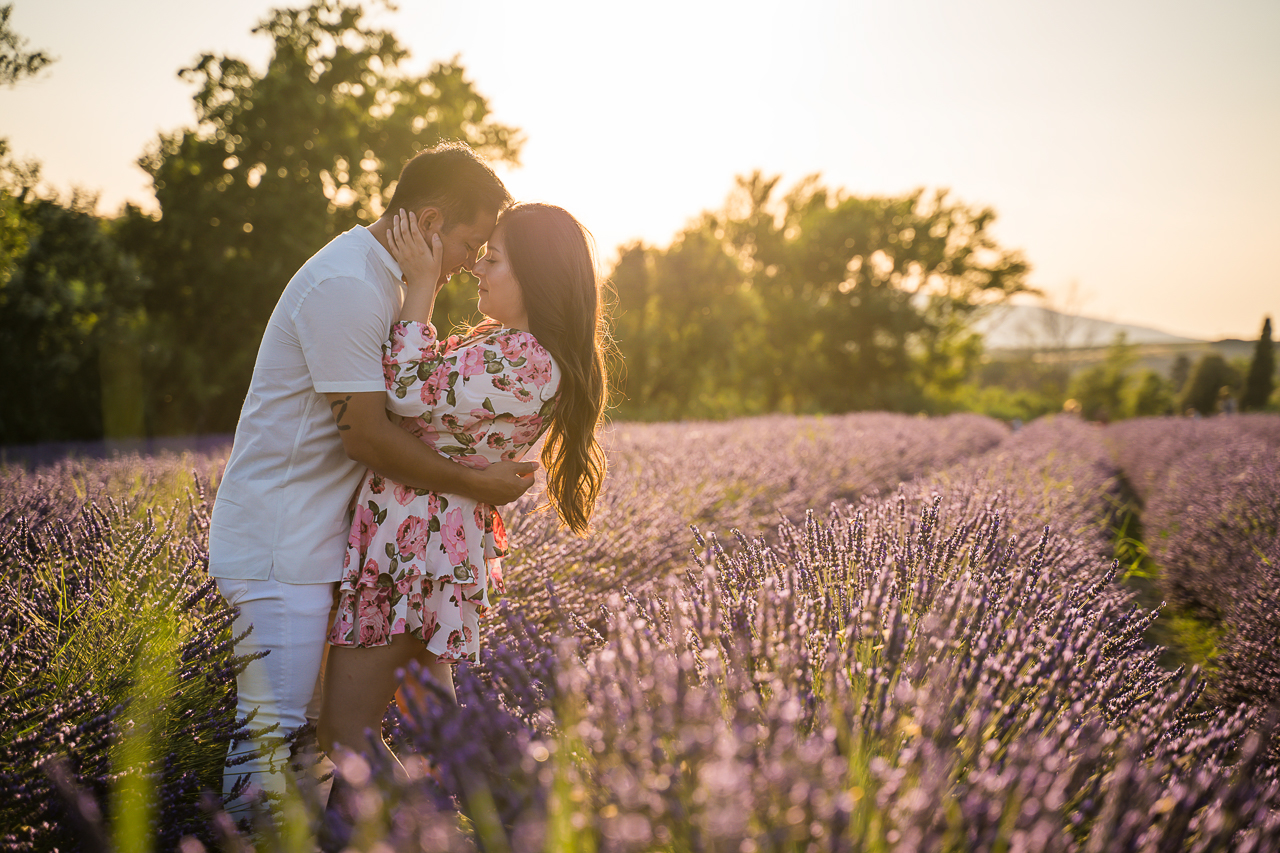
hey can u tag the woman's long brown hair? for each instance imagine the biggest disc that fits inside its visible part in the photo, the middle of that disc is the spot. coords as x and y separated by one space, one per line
550 254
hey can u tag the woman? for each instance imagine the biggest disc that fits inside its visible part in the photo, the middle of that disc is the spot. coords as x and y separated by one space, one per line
420 564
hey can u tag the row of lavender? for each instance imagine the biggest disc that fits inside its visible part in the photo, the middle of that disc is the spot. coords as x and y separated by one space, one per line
925 671
102 560
928 671
748 474
1210 491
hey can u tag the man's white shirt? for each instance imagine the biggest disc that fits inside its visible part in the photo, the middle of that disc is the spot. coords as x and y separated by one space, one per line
281 508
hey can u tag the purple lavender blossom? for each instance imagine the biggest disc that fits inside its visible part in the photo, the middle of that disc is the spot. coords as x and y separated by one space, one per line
895 634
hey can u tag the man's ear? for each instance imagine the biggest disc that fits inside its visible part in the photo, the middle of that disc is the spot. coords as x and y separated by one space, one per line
428 217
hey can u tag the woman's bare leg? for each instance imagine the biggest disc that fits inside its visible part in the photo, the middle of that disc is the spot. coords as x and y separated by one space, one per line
440 671
358 686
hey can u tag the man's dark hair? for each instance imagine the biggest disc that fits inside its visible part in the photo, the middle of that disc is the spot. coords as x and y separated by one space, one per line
452 177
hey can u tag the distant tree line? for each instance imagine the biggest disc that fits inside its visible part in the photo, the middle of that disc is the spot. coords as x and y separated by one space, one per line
812 301
808 300
1117 387
1111 390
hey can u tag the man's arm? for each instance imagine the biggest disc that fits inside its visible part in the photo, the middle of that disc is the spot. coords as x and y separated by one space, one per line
372 440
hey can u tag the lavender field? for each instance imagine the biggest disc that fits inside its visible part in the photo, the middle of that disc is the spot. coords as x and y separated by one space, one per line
865 632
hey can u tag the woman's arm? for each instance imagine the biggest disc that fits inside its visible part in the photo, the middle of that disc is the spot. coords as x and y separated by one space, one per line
419 263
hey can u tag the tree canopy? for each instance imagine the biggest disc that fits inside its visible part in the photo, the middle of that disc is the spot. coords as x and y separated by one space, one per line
1110 391
1260 380
68 294
1211 382
16 62
816 300
278 162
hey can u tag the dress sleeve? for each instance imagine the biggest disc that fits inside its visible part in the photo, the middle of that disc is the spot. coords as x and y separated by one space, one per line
414 368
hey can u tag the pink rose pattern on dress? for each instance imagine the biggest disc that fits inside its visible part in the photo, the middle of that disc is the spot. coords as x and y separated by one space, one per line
422 562
363 526
526 429
431 390
472 362
412 538
455 537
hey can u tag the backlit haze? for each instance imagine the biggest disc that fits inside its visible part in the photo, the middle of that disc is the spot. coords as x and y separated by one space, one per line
1129 149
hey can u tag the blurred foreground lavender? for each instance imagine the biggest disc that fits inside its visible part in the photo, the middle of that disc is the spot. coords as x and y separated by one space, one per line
917 664
94 606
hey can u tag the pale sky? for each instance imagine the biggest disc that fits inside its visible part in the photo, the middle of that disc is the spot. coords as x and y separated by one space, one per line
1129 147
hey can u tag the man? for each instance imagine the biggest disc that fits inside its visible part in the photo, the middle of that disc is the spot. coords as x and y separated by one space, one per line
313 420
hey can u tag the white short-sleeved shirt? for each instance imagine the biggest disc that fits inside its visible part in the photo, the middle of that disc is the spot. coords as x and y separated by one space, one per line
282 505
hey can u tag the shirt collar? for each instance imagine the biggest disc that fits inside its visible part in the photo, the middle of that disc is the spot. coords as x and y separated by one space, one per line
381 251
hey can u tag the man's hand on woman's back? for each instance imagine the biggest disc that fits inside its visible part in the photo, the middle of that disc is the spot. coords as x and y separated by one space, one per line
504 482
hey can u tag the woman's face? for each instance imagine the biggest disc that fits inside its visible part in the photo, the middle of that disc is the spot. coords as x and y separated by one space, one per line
500 296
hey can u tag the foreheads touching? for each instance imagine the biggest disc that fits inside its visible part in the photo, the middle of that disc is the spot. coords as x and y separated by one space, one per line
450 190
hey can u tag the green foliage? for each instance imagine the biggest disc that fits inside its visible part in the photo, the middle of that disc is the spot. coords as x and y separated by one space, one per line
1149 394
1260 380
1021 387
1187 639
17 180
279 162
1032 385
1210 382
137 755
688 329
1180 372
118 659
1004 403
70 317
1112 390
815 301
1100 390
15 62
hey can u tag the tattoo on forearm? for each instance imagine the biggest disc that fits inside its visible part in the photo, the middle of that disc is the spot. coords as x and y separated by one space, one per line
339 408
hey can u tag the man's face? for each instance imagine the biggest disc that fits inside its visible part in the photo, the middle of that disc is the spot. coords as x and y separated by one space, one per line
461 242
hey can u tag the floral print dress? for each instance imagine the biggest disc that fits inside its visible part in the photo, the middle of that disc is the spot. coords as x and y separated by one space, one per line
422 562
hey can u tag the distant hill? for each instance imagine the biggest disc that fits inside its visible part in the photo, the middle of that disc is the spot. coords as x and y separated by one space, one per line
1008 327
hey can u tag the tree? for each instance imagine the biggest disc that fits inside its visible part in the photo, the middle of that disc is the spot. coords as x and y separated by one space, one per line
1180 372
813 301
1210 375
1101 390
1260 381
70 302
685 325
17 180
883 289
1148 395
15 62
279 162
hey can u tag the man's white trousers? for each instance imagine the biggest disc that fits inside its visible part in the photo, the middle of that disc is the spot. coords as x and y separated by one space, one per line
289 622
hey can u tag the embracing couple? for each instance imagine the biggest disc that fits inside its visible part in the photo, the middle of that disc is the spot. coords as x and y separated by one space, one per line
358 507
